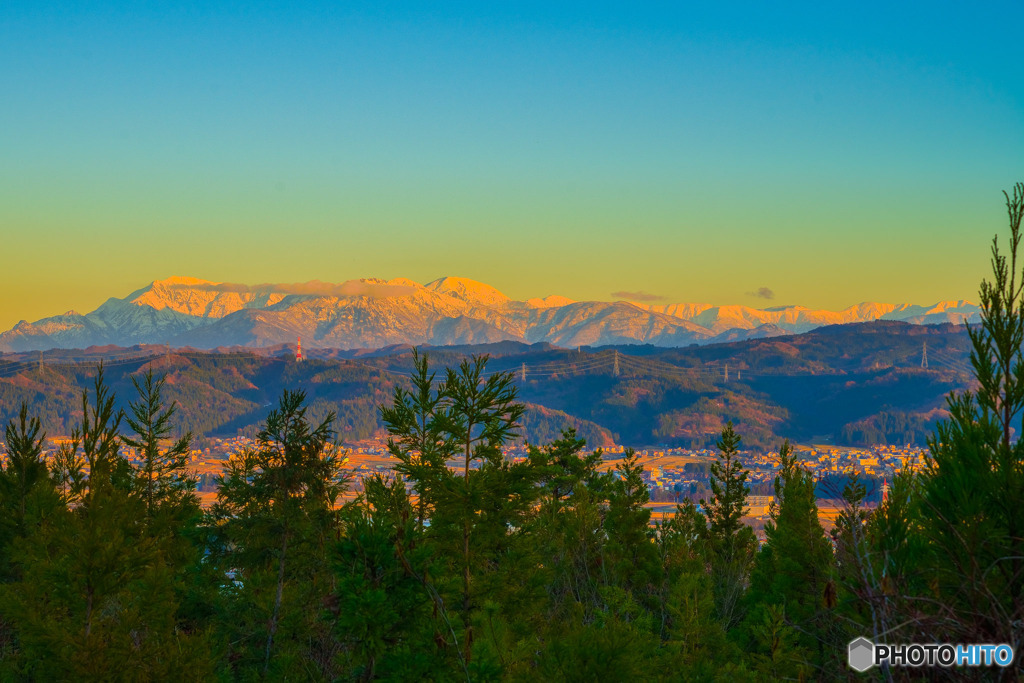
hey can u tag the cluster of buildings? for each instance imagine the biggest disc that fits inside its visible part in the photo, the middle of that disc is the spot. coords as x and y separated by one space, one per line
671 474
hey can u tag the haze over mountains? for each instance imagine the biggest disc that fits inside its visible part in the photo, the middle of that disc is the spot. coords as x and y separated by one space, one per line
373 313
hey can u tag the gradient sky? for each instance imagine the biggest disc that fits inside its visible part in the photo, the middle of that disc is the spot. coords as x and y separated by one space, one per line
829 152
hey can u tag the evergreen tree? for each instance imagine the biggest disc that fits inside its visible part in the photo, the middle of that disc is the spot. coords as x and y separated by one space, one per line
564 469
568 532
416 434
25 465
857 595
974 482
27 500
95 600
274 518
694 642
478 515
480 416
731 543
389 619
632 558
173 516
791 576
162 476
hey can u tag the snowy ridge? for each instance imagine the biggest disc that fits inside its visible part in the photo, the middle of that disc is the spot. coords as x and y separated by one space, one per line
371 313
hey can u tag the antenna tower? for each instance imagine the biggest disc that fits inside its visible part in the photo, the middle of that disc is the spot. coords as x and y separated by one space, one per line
298 351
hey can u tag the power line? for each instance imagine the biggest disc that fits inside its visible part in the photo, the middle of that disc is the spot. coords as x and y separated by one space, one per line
574 364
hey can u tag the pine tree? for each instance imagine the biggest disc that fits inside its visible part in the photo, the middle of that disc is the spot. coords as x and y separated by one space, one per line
564 469
173 516
478 514
163 478
26 492
568 531
731 543
27 500
694 642
95 599
389 618
480 416
632 558
974 481
25 466
791 574
416 436
273 522
857 595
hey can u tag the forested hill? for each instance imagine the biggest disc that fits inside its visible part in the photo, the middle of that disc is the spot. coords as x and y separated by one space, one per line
849 384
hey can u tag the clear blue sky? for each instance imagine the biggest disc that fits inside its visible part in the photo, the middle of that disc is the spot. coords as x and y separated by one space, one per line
831 153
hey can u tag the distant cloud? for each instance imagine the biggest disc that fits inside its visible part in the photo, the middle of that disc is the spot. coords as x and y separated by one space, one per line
762 293
637 296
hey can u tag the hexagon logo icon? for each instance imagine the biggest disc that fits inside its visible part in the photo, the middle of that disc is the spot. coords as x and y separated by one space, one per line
861 654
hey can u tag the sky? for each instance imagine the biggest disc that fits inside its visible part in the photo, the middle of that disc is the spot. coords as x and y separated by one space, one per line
819 154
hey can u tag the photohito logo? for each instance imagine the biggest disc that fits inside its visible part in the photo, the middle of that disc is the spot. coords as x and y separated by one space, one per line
862 654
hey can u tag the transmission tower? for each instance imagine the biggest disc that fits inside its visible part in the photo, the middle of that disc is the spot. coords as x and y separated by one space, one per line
924 356
615 368
40 361
298 351
523 375
726 372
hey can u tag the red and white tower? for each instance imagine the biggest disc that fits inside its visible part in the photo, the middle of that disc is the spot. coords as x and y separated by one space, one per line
298 351
885 490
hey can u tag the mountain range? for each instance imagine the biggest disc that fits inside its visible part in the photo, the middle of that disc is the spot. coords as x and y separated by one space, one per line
854 384
374 313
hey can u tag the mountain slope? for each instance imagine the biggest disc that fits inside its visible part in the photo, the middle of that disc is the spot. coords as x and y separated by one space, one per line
854 384
373 313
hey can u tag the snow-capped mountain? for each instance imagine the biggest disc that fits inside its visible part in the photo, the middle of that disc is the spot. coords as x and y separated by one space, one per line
372 313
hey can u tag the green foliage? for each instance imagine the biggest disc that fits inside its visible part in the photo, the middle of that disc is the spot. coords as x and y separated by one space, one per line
24 472
389 618
163 480
464 565
484 510
971 512
890 427
731 544
788 619
95 597
274 519
631 556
